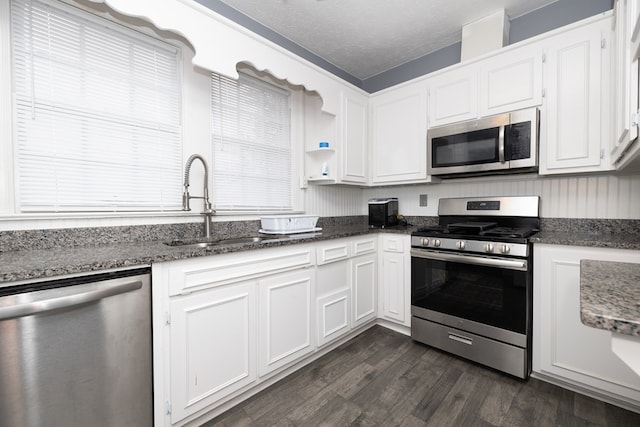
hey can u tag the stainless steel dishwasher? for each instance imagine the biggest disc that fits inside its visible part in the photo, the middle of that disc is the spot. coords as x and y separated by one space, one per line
77 351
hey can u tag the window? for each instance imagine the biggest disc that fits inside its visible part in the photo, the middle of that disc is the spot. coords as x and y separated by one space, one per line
97 114
251 145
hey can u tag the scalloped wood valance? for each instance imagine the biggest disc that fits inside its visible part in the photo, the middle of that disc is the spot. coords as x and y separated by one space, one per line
221 44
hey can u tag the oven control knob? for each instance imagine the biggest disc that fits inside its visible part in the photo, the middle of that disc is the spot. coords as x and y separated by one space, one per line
488 247
424 241
436 243
460 244
504 249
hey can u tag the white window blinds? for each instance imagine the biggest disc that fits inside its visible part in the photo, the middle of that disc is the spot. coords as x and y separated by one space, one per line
251 145
97 113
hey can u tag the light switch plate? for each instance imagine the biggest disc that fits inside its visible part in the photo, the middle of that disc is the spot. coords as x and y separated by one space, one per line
423 200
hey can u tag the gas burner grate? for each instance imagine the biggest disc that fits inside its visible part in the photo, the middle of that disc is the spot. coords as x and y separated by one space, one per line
515 232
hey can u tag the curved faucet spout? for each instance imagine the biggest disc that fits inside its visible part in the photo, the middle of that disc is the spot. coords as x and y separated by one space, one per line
208 211
185 195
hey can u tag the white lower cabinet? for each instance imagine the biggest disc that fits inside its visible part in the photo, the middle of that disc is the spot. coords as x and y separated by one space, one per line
364 284
566 351
346 292
223 323
212 346
226 325
395 276
286 319
333 316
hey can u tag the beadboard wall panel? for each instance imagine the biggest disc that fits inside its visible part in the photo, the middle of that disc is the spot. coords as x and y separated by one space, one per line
329 200
593 196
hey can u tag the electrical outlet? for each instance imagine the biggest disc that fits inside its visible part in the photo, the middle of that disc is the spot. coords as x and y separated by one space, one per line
423 200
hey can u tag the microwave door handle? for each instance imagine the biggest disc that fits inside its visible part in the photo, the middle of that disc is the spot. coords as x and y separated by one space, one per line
501 144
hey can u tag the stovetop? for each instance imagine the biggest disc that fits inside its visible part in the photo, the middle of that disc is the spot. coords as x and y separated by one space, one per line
490 225
489 232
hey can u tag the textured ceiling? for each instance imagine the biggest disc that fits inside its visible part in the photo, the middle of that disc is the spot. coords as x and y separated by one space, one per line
368 37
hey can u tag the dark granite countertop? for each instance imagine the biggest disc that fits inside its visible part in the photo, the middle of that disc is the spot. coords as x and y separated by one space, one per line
43 263
599 233
36 254
610 296
599 240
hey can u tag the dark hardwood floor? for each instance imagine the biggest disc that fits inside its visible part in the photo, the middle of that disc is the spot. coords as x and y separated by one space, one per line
383 378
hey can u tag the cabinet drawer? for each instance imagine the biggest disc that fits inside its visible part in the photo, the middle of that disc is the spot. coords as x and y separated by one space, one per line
333 251
364 246
200 273
392 243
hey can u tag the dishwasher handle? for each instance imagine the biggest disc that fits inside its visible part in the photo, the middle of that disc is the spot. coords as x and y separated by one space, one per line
21 310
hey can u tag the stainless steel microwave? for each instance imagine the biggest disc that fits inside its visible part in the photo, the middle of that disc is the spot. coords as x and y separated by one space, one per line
493 144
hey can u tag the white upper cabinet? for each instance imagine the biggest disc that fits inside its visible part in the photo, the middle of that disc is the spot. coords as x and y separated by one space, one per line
345 160
625 84
511 81
453 96
505 82
354 147
399 135
574 120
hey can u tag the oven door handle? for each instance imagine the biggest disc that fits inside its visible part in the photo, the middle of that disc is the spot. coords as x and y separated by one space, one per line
511 264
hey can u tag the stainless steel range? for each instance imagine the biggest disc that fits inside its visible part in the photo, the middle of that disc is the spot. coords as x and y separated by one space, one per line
471 281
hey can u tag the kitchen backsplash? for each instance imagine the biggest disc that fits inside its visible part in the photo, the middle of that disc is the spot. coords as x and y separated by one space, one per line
585 196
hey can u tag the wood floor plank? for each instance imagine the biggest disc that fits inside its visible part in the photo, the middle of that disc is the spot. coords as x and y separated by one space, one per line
589 409
436 394
469 415
522 408
309 407
545 410
336 412
414 384
499 396
383 378
452 404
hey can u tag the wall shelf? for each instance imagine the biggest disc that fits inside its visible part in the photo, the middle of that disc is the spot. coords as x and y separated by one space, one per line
321 180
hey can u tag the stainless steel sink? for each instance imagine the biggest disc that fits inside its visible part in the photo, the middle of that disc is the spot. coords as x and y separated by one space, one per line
208 243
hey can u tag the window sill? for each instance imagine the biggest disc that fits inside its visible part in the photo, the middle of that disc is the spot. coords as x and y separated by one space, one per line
32 221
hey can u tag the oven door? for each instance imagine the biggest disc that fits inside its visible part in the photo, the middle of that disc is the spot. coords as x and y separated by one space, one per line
489 296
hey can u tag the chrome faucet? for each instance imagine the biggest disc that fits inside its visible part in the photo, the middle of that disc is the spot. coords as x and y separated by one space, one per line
208 212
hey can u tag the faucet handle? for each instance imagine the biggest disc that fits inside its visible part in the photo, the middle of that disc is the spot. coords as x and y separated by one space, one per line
185 201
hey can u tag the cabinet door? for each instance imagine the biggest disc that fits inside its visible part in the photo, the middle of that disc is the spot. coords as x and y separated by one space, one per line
364 285
511 81
394 278
286 319
453 96
354 149
572 116
398 135
564 348
333 316
213 336
625 82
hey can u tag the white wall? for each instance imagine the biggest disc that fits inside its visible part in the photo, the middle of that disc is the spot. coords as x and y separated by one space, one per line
592 196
